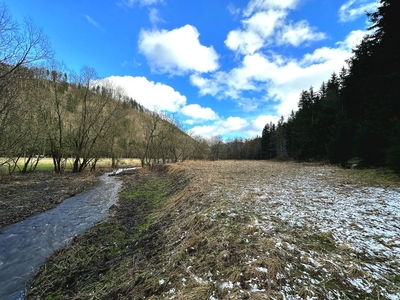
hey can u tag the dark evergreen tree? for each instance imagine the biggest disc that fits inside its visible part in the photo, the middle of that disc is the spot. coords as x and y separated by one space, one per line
268 150
304 125
371 89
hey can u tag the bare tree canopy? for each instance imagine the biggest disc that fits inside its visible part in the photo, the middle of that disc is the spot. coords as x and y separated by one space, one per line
20 44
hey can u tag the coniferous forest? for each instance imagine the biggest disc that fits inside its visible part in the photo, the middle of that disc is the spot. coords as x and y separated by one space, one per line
353 116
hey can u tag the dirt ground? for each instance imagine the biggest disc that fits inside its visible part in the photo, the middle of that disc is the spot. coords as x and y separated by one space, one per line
25 195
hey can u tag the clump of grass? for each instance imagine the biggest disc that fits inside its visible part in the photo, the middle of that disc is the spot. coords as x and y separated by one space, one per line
86 264
371 177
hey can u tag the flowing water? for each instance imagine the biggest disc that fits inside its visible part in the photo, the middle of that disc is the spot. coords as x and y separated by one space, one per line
26 245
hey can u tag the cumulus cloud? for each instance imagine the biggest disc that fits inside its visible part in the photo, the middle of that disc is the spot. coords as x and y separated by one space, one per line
197 112
259 122
231 125
354 9
150 94
235 125
256 33
299 33
205 131
277 77
265 23
177 51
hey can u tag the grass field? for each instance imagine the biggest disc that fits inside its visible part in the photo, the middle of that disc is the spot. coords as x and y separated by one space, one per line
239 230
47 163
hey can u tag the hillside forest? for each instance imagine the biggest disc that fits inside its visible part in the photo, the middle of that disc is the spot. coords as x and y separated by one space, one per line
48 110
70 116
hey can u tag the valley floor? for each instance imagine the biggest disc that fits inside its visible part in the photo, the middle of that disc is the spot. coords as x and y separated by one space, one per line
238 230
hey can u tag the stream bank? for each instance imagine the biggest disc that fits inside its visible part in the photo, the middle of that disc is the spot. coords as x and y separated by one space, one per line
99 259
238 230
25 246
25 195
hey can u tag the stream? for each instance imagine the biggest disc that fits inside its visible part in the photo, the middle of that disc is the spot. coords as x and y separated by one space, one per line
25 246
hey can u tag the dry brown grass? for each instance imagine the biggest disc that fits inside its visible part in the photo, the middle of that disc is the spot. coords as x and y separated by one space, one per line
224 233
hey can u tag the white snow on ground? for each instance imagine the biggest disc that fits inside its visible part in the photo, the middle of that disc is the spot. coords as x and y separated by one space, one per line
363 223
291 231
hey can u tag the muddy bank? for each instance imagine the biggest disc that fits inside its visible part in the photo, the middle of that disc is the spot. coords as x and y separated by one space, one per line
25 195
25 246
100 257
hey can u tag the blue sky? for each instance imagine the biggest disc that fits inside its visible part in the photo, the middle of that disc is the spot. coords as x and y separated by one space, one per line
221 67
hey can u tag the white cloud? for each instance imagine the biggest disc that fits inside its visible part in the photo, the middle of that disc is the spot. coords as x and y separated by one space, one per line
256 125
93 22
131 3
230 126
235 125
177 51
205 131
256 33
296 34
265 23
354 9
257 5
260 121
154 16
150 94
277 77
233 10
243 42
197 112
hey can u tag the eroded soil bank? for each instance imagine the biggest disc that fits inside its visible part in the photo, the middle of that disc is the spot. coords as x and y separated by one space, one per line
25 195
238 230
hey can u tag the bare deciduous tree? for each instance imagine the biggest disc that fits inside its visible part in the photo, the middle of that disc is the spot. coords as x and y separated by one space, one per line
21 46
97 108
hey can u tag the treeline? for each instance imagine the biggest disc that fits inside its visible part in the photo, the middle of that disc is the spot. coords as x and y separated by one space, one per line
74 117
354 115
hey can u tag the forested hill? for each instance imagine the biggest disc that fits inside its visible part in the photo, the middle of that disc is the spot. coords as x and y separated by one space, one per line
354 114
47 110
75 120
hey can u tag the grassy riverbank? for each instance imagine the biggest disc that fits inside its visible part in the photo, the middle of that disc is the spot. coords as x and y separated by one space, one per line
46 164
25 195
238 230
